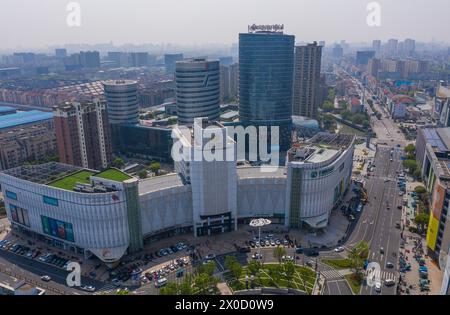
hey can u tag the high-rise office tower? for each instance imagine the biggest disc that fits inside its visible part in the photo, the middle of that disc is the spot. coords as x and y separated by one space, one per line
266 74
307 80
391 48
90 59
409 47
170 60
61 52
224 83
374 66
197 89
122 59
376 46
123 103
338 51
362 57
234 80
226 61
139 59
83 134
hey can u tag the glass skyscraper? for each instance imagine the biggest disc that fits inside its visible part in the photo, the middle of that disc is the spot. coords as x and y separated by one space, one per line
266 73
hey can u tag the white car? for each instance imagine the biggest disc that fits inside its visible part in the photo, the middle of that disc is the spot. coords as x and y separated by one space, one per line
287 258
88 288
339 249
389 282
378 287
257 256
160 282
46 278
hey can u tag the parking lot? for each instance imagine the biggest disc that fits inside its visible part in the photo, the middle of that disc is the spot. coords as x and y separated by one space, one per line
34 253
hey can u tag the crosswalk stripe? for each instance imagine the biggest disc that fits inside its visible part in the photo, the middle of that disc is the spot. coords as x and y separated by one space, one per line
383 275
331 274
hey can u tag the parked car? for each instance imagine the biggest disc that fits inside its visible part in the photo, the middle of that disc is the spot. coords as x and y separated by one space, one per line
46 278
339 249
160 282
257 256
389 265
88 288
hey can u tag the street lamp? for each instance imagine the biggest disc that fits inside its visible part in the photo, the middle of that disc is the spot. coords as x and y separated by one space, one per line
259 223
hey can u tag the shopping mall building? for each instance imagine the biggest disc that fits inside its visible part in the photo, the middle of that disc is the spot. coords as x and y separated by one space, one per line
109 213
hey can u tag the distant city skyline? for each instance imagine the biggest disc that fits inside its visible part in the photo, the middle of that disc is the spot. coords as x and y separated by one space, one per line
39 24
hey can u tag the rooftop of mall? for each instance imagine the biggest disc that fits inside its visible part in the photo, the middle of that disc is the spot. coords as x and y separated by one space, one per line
68 177
320 148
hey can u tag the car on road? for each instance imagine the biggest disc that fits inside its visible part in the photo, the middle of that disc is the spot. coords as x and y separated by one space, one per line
299 250
210 256
378 287
389 282
387 179
116 282
312 252
287 258
381 250
389 265
339 249
88 288
46 278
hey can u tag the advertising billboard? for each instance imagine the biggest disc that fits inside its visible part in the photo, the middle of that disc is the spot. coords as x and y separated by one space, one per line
19 215
57 228
433 225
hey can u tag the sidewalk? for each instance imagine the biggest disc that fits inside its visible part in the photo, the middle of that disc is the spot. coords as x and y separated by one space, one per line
224 289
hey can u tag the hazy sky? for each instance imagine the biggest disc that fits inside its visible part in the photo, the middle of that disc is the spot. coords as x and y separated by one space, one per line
40 23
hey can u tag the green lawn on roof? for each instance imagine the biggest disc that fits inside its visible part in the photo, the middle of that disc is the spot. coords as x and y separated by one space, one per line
113 174
69 182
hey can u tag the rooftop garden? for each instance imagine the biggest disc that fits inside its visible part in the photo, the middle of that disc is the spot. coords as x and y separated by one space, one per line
68 182
113 174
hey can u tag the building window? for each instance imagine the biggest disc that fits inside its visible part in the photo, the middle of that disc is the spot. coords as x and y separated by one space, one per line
50 201
11 195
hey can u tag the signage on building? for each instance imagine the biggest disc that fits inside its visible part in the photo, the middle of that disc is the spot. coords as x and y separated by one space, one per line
266 28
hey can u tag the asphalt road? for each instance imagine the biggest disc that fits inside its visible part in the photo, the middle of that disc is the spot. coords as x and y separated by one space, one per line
31 270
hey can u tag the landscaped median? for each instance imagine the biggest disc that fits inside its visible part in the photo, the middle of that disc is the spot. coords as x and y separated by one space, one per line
273 276
354 280
354 261
338 263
